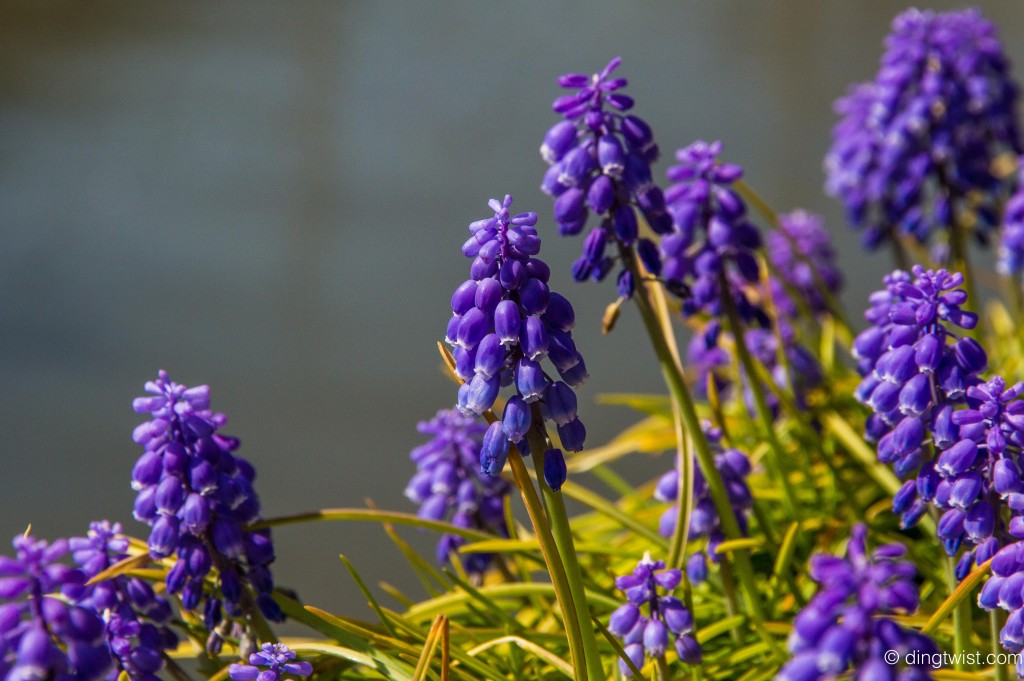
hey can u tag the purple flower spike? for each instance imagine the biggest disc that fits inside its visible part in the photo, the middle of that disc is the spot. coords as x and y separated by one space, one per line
600 161
648 623
913 143
449 483
136 619
200 467
273 662
847 625
733 467
43 602
800 250
508 323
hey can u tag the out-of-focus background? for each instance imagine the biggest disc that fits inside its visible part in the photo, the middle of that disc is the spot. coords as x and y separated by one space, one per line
270 198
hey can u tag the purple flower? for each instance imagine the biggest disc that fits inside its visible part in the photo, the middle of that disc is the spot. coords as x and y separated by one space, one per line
913 143
600 160
712 361
802 256
274 662
711 237
649 622
42 602
505 323
197 496
848 625
917 369
135 618
733 468
449 484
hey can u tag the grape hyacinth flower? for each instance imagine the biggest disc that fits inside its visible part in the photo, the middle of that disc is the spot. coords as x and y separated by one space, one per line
448 483
505 322
1011 244
711 236
274 662
916 369
801 254
733 467
40 604
913 144
600 160
197 496
712 362
985 476
847 626
666 619
135 618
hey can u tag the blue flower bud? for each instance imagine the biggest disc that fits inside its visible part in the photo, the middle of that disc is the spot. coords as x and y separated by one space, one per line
572 435
554 469
558 140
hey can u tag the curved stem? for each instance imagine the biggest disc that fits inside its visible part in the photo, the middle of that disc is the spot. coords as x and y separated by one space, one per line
680 395
761 404
549 549
562 534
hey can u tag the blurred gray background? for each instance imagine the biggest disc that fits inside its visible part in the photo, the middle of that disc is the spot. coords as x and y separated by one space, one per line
270 198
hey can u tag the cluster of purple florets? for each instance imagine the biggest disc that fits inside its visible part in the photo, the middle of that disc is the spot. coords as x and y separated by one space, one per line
712 242
803 262
918 374
42 602
135 617
600 160
505 322
649 622
271 663
848 624
448 483
911 145
197 496
732 467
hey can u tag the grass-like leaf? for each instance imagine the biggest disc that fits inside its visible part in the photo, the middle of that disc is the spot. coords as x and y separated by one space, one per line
961 592
530 647
373 515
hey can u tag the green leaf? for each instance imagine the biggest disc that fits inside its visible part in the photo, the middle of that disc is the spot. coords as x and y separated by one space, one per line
121 567
369 595
373 515
387 666
429 646
961 592
544 654
450 603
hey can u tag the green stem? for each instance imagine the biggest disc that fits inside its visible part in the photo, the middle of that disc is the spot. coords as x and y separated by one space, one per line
559 581
994 627
778 455
562 533
662 666
731 606
961 617
961 261
676 383
684 497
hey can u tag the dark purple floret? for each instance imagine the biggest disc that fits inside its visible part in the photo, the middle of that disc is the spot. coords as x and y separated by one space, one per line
449 484
273 662
801 253
44 602
733 467
847 626
649 622
135 618
505 323
197 496
911 145
600 161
